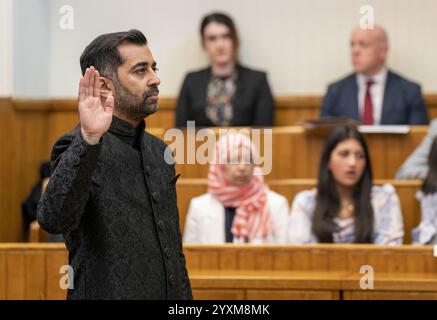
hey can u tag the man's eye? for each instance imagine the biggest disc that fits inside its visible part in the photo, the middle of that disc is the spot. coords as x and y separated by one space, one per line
141 71
155 69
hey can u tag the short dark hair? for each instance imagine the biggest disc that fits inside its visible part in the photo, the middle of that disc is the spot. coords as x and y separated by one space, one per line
221 18
103 54
430 183
328 200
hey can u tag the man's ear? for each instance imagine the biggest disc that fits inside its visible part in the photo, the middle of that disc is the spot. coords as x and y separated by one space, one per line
106 88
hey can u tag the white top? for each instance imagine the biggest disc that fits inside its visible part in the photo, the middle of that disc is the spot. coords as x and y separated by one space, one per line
376 92
426 232
388 223
205 222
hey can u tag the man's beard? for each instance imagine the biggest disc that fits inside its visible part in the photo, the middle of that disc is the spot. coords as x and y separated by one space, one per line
133 106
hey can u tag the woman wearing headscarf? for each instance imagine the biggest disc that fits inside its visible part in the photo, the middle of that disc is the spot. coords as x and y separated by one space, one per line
239 207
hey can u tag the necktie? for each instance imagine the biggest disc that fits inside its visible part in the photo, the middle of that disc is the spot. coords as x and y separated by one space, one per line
368 106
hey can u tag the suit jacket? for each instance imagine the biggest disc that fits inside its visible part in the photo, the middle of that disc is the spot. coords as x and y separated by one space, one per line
402 103
416 166
205 222
252 104
115 204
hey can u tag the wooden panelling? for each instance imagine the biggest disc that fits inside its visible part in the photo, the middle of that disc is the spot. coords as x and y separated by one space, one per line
406 190
3 275
388 295
28 129
35 274
16 275
10 160
295 152
321 257
54 262
32 271
206 294
292 295
290 110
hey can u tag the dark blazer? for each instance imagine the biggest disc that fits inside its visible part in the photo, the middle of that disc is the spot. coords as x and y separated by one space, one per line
402 104
115 203
252 104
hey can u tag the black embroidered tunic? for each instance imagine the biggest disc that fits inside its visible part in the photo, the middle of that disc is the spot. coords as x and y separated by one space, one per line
115 204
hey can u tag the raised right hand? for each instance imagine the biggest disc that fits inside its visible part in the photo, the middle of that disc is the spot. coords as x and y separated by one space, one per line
95 118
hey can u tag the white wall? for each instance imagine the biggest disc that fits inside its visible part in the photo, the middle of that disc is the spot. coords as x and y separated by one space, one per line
5 47
302 44
31 48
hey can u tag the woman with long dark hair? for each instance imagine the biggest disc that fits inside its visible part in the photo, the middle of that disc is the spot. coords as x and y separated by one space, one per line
426 231
225 93
346 207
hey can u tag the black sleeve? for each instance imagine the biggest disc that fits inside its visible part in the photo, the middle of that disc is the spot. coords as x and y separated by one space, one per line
182 105
63 202
265 106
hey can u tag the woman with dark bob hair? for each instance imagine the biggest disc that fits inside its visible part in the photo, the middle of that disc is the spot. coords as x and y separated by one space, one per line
346 207
225 93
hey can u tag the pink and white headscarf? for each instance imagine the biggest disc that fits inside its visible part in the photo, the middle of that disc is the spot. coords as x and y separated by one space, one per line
252 219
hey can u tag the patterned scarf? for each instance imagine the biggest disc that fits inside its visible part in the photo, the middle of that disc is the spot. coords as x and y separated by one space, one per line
252 219
221 91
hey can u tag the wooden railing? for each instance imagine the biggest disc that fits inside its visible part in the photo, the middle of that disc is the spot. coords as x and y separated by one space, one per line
32 271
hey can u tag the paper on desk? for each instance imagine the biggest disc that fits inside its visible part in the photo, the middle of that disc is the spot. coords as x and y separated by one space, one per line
394 129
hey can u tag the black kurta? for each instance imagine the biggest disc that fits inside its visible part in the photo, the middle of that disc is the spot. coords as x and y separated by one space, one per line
115 203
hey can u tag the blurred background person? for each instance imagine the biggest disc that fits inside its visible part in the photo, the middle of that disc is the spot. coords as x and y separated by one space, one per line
346 207
373 94
426 231
225 93
29 205
416 165
239 207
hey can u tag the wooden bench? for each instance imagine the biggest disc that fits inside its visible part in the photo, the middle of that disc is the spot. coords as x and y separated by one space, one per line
311 272
32 271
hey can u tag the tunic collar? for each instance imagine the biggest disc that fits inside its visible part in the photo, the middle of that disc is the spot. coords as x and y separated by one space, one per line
126 131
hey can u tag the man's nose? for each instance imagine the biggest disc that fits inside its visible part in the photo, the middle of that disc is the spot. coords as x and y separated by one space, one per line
355 50
154 80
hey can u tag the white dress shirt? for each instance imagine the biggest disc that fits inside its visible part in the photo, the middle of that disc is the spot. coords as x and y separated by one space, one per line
376 92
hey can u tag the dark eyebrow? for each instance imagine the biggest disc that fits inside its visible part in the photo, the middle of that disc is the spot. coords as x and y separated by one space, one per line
142 64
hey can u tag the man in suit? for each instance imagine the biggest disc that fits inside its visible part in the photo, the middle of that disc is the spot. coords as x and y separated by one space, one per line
373 94
111 193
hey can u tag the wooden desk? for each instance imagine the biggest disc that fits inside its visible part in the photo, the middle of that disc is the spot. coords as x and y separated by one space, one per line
295 153
311 272
32 271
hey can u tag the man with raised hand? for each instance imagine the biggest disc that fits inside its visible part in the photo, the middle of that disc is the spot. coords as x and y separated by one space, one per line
111 193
